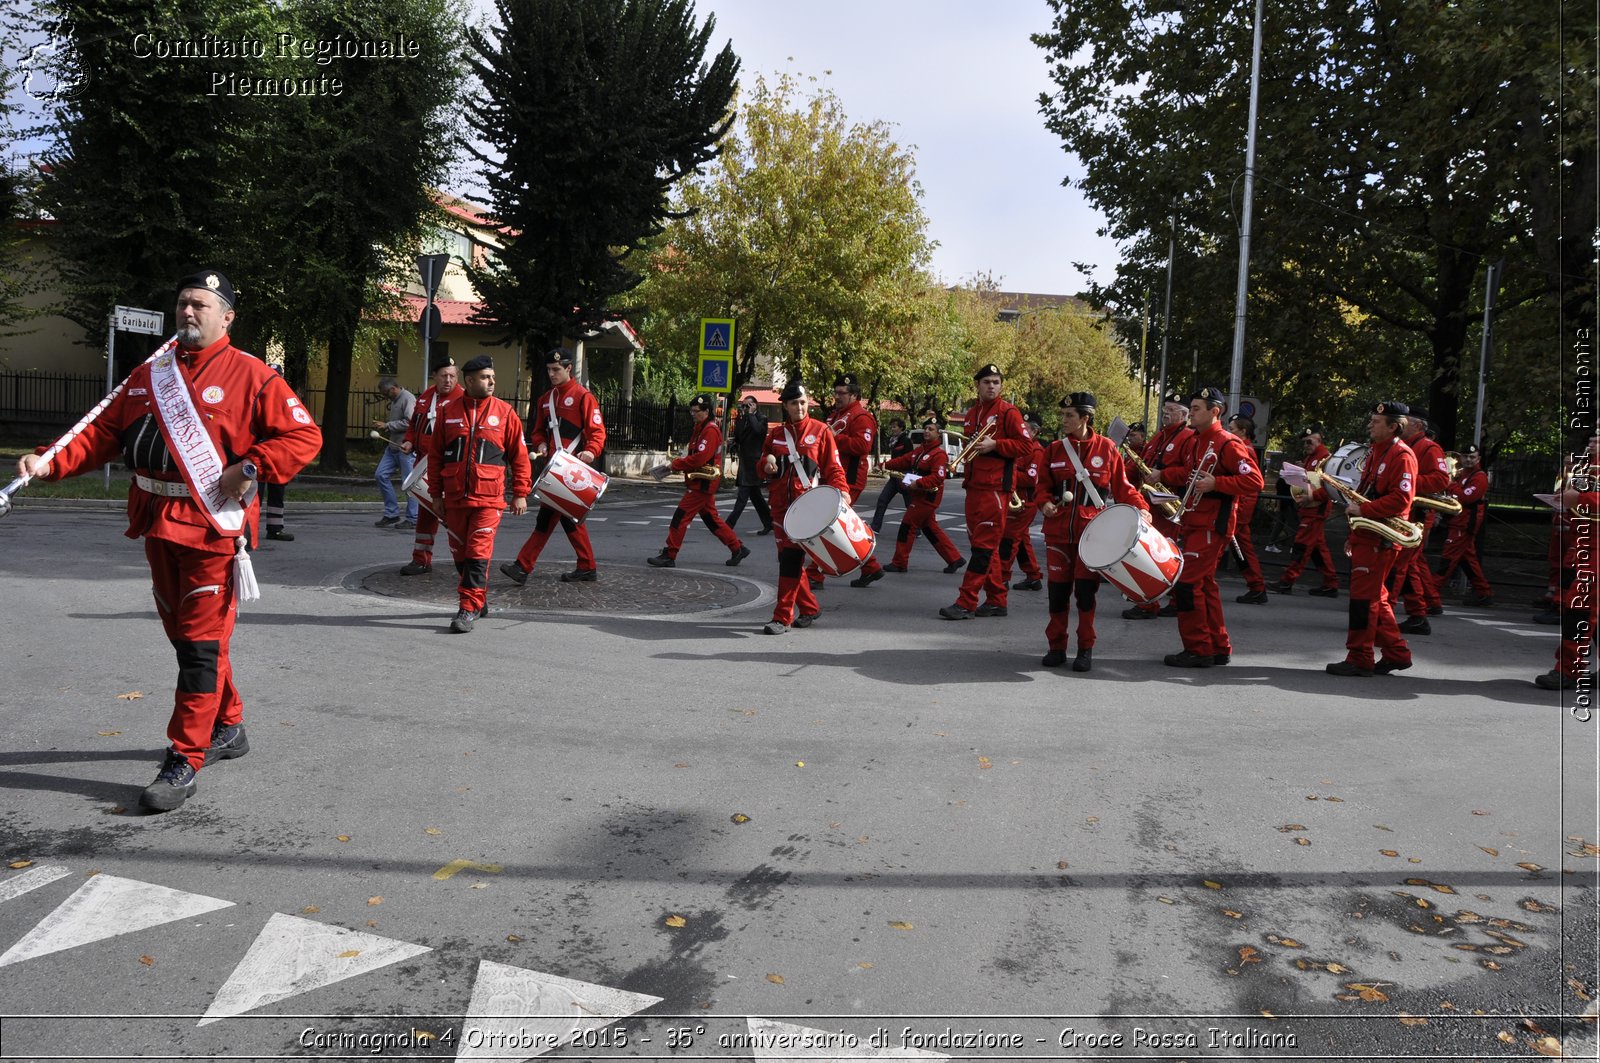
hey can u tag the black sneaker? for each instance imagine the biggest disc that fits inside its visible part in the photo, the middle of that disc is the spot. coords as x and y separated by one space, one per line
1054 659
405 525
659 561
1549 616
955 612
990 609
513 571
1553 680
1083 661
765 531
892 567
738 556
867 579
1253 597
227 742
1220 659
1482 601
280 535
1283 587
805 620
579 575
1138 613
1416 625
1324 592
1170 609
955 566
386 522
1387 665
1185 659
1346 668
1438 610
174 784
463 621
412 568
1029 585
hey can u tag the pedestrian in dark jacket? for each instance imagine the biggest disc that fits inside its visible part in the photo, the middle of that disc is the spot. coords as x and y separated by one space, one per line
749 436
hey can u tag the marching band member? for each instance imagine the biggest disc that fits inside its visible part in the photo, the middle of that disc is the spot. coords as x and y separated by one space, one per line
1249 565
1580 597
1411 577
1165 449
929 465
700 492
200 427
418 433
1470 488
797 450
990 477
476 438
853 428
1388 484
1068 509
567 414
1017 542
1215 469
1311 537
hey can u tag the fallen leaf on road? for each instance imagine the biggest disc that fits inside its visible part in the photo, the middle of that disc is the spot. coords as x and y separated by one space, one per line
310 909
1422 903
19 864
424 1036
677 921
1531 867
432 830
1479 812
1166 900
1504 1037
1338 968
1499 950
373 902
1232 914
739 817
680 764
1369 992
1534 906
1287 827
1548 1046
1061 865
1388 852
1491 965
799 763
372 922
1467 948
898 924
1491 852
1380 826
1466 918
348 954
148 961
132 695
478 886
1407 1019
775 979
1248 954
983 764
1208 884
514 938
108 734
342 838
1302 841
864 965
1579 990
1335 800
1091 819
1267 1014
1413 859
1311 797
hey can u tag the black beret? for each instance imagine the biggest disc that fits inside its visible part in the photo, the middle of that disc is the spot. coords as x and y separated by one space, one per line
1138 426
699 402
478 365
443 363
1079 400
1177 399
847 380
792 390
214 282
989 370
1310 430
931 419
1469 451
1392 409
1419 413
1211 397
558 356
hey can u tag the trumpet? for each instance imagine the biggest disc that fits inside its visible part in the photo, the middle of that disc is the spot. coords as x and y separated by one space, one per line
978 437
1397 530
1170 508
1191 496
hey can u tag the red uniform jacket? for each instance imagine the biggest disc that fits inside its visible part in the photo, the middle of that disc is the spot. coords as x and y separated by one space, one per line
577 416
1433 471
1471 489
817 454
1235 470
1026 474
853 430
1317 502
249 412
1166 446
422 424
474 442
930 463
705 448
1388 484
996 469
1058 483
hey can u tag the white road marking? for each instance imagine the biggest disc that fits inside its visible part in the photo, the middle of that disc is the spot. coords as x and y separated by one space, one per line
645 523
31 879
1511 627
537 1012
782 1040
105 907
292 956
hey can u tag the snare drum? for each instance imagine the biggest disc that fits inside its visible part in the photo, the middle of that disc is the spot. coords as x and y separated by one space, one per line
1132 556
821 522
570 487
416 485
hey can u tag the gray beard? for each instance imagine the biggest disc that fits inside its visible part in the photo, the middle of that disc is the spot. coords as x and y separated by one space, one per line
189 336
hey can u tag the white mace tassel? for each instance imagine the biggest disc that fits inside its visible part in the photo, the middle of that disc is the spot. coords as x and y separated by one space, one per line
244 575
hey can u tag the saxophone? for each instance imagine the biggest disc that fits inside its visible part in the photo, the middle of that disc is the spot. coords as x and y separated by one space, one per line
1397 530
1170 508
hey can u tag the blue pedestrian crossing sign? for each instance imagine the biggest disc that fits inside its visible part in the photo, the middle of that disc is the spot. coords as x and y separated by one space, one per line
716 335
716 354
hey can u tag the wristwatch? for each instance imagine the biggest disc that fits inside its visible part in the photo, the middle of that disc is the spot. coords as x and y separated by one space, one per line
249 469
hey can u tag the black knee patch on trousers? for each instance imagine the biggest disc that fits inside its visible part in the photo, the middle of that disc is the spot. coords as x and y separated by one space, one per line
677 516
1060 596
927 533
1572 624
1183 597
1298 553
709 521
903 534
980 560
545 519
1007 547
475 573
1085 590
1569 576
1360 613
791 560
197 666
461 569
569 525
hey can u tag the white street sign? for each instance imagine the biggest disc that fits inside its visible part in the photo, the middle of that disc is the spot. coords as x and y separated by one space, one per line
132 319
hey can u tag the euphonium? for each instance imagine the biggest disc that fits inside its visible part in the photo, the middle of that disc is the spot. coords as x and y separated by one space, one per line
1397 530
1171 507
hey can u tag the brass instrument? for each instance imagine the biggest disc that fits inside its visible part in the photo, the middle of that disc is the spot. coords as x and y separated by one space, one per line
705 472
1397 530
1443 503
1016 503
1207 465
978 437
1170 508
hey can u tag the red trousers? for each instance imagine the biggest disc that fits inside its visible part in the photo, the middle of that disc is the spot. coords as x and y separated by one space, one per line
1170 529
922 517
1372 622
1197 597
697 502
472 531
1069 580
986 522
794 590
1311 544
194 595
1017 543
1412 578
1249 565
543 525
1461 551
422 545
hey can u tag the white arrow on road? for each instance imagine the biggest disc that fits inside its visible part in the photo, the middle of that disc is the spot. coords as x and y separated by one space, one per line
105 907
772 1040
292 956
517 1010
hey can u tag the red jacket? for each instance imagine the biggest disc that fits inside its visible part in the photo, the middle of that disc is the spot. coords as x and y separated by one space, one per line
705 448
996 469
853 429
577 416
249 412
1388 484
474 441
1058 483
422 425
817 453
1317 502
1166 446
930 463
1433 471
1471 489
1236 472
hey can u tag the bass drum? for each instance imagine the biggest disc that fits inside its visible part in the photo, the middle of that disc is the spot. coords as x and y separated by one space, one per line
1348 463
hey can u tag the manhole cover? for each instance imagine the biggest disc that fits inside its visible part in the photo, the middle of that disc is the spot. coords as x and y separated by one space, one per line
621 589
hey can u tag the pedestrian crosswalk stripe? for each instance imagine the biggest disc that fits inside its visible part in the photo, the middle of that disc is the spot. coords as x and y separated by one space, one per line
771 1040
31 879
105 907
534 1012
292 956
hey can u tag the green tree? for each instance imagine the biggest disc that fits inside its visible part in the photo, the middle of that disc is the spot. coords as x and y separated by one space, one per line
590 112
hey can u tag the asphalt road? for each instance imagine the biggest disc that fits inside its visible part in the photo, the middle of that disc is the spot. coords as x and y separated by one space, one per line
887 822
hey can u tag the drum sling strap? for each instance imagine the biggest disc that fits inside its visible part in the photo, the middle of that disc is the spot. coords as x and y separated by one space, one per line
1083 474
